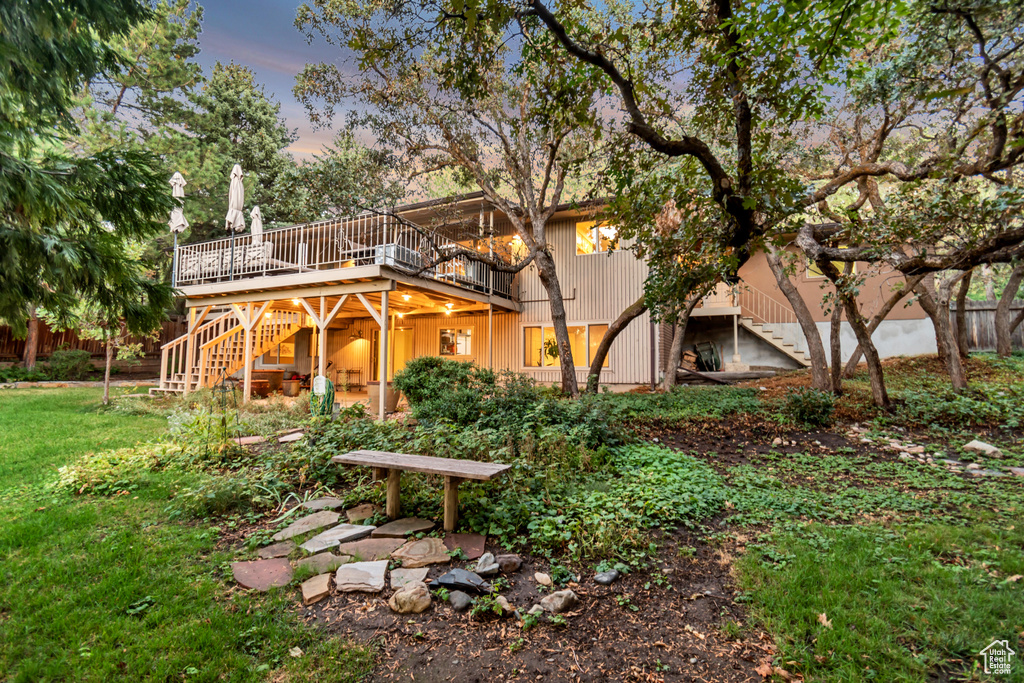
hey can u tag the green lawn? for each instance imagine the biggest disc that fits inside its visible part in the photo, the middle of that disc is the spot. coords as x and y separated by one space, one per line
97 589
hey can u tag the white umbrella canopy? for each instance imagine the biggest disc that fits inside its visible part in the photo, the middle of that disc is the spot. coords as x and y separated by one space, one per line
177 223
178 185
256 224
235 220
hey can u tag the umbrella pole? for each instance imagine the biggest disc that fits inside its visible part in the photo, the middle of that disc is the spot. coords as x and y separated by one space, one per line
231 269
174 264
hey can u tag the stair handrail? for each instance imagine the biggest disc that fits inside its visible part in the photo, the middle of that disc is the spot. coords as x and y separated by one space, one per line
762 307
267 332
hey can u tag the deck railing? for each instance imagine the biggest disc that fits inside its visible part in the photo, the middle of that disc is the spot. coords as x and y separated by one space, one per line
366 239
752 302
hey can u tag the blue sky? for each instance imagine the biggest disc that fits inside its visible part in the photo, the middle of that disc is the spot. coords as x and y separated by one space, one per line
261 34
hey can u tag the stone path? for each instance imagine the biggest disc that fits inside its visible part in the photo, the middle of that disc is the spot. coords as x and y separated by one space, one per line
472 544
371 548
367 577
324 562
334 537
282 549
307 524
362 512
326 503
425 551
316 589
402 576
400 528
262 575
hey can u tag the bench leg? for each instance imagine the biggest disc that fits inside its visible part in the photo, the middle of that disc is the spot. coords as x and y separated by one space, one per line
379 473
451 502
393 507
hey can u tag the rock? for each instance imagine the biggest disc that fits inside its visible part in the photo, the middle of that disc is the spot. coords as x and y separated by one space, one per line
371 548
509 563
460 579
422 552
535 610
904 456
983 448
915 450
324 562
362 512
367 577
974 466
402 576
289 438
282 549
316 589
953 463
559 601
460 602
307 524
326 503
1016 471
413 598
987 473
606 578
543 579
505 605
777 441
487 566
400 528
248 440
262 575
332 538
472 545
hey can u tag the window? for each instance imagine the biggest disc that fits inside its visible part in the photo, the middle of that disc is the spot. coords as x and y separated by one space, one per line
282 354
814 272
593 237
457 342
541 350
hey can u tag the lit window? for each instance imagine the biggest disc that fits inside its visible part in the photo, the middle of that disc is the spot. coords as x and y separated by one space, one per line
814 271
457 342
541 350
593 237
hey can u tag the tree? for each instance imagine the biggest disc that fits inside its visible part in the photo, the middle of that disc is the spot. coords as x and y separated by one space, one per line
433 105
65 218
1004 324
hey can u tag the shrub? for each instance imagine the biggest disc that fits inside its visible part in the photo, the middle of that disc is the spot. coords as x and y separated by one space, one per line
999 406
810 407
70 364
20 374
442 389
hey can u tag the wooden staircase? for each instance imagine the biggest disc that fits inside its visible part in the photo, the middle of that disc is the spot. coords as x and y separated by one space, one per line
218 349
775 338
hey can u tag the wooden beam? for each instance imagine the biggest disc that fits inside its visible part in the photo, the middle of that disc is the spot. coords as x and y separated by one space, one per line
195 299
194 321
369 308
247 374
383 363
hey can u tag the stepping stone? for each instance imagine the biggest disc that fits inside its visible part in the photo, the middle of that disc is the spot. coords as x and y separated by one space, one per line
307 524
249 440
472 544
362 512
988 449
371 548
322 504
462 580
401 528
402 576
422 552
289 438
282 549
262 575
324 562
316 589
367 577
1016 471
333 537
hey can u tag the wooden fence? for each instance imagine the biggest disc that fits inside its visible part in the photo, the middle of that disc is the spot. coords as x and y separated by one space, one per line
11 349
981 324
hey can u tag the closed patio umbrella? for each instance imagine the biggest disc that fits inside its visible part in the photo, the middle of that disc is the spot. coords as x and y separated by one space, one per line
177 222
256 225
235 220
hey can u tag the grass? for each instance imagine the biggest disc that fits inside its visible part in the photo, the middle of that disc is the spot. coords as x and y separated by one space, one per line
97 589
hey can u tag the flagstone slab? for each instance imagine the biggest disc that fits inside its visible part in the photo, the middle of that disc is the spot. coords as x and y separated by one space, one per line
422 552
333 537
371 548
289 438
472 544
309 523
249 440
400 528
316 589
367 577
262 575
324 562
282 549
362 512
326 503
402 576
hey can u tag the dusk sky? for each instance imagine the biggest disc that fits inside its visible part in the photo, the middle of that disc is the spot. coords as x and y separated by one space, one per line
261 34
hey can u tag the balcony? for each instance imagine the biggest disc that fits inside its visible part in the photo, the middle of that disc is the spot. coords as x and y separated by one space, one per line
330 245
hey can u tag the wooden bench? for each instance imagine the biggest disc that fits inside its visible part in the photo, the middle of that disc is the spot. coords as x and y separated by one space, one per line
391 466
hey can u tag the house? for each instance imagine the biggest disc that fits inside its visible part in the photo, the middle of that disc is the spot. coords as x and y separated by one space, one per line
348 296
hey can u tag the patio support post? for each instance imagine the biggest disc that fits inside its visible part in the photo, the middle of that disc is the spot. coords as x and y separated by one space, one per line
736 339
383 364
247 358
322 320
194 322
320 341
490 336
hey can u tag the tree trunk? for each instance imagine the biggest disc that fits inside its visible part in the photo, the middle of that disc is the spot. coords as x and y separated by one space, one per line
28 358
836 348
882 314
675 356
1004 329
549 278
961 315
878 393
926 298
632 312
106 372
938 311
819 364
988 277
